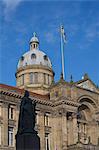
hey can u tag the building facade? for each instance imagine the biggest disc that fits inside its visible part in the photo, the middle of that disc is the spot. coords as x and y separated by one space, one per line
67 113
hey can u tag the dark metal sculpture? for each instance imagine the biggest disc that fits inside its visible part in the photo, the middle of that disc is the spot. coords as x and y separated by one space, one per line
27 115
27 138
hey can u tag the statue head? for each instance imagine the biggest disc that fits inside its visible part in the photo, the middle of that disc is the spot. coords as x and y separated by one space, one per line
26 94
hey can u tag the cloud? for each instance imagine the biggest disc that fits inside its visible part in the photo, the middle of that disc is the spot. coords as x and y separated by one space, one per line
49 36
10 6
92 32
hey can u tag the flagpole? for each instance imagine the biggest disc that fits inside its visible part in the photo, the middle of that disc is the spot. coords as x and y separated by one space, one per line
62 54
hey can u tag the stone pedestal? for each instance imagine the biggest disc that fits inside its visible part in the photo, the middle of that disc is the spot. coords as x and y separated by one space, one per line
27 141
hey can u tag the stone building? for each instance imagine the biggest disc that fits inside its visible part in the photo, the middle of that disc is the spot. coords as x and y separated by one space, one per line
67 113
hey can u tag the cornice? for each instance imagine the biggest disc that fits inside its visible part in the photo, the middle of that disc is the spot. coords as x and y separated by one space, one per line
34 67
42 101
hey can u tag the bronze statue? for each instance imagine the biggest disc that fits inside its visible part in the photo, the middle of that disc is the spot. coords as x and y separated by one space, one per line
27 115
26 137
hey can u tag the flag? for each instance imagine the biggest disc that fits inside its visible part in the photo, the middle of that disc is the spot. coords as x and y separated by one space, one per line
63 34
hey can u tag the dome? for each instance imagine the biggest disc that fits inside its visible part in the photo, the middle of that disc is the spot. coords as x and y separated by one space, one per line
34 57
34 38
34 69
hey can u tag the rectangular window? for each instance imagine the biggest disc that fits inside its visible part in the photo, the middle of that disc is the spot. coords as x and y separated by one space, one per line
44 78
36 119
46 119
22 79
0 110
35 77
47 142
31 78
48 79
0 134
10 136
11 112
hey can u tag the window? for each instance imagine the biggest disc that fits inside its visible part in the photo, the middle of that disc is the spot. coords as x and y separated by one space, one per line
46 119
56 93
34 46
11 112
31 77
35 77
48 80
33 56
0 134
0 110
10 136
22 79
36 119
44 78
47 142
22 58
45 57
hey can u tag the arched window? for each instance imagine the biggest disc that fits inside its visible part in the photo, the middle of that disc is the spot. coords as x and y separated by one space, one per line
45 57
33 56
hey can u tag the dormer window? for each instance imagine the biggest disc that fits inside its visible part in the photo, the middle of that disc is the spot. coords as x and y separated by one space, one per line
33 56
22 58
45 57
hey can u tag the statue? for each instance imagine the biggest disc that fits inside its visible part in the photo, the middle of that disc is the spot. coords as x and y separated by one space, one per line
26 137
27 115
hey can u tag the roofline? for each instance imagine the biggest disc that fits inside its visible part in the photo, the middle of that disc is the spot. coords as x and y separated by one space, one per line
83 80
21 91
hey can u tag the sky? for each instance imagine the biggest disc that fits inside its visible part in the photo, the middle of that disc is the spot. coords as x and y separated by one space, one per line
20 18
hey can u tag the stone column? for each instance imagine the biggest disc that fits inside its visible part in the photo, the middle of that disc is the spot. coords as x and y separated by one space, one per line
5 124
75 128
42 131
64 130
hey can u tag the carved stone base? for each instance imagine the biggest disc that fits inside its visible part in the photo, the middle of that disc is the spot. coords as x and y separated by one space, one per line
27 141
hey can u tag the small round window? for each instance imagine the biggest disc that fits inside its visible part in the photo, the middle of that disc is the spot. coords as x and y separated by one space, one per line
45 57
33 56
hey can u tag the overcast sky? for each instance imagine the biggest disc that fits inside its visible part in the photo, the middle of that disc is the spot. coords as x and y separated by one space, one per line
20 18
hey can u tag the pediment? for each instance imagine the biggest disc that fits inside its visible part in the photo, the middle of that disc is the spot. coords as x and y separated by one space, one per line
87 84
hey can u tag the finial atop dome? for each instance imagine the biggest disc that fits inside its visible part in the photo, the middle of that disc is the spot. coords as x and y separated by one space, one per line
34 42
34 34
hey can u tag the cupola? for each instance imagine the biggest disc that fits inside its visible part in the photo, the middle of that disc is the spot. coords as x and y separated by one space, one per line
34 42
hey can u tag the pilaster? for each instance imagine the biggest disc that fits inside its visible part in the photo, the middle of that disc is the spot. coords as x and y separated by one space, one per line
42 130
5 124
75 128
64 129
